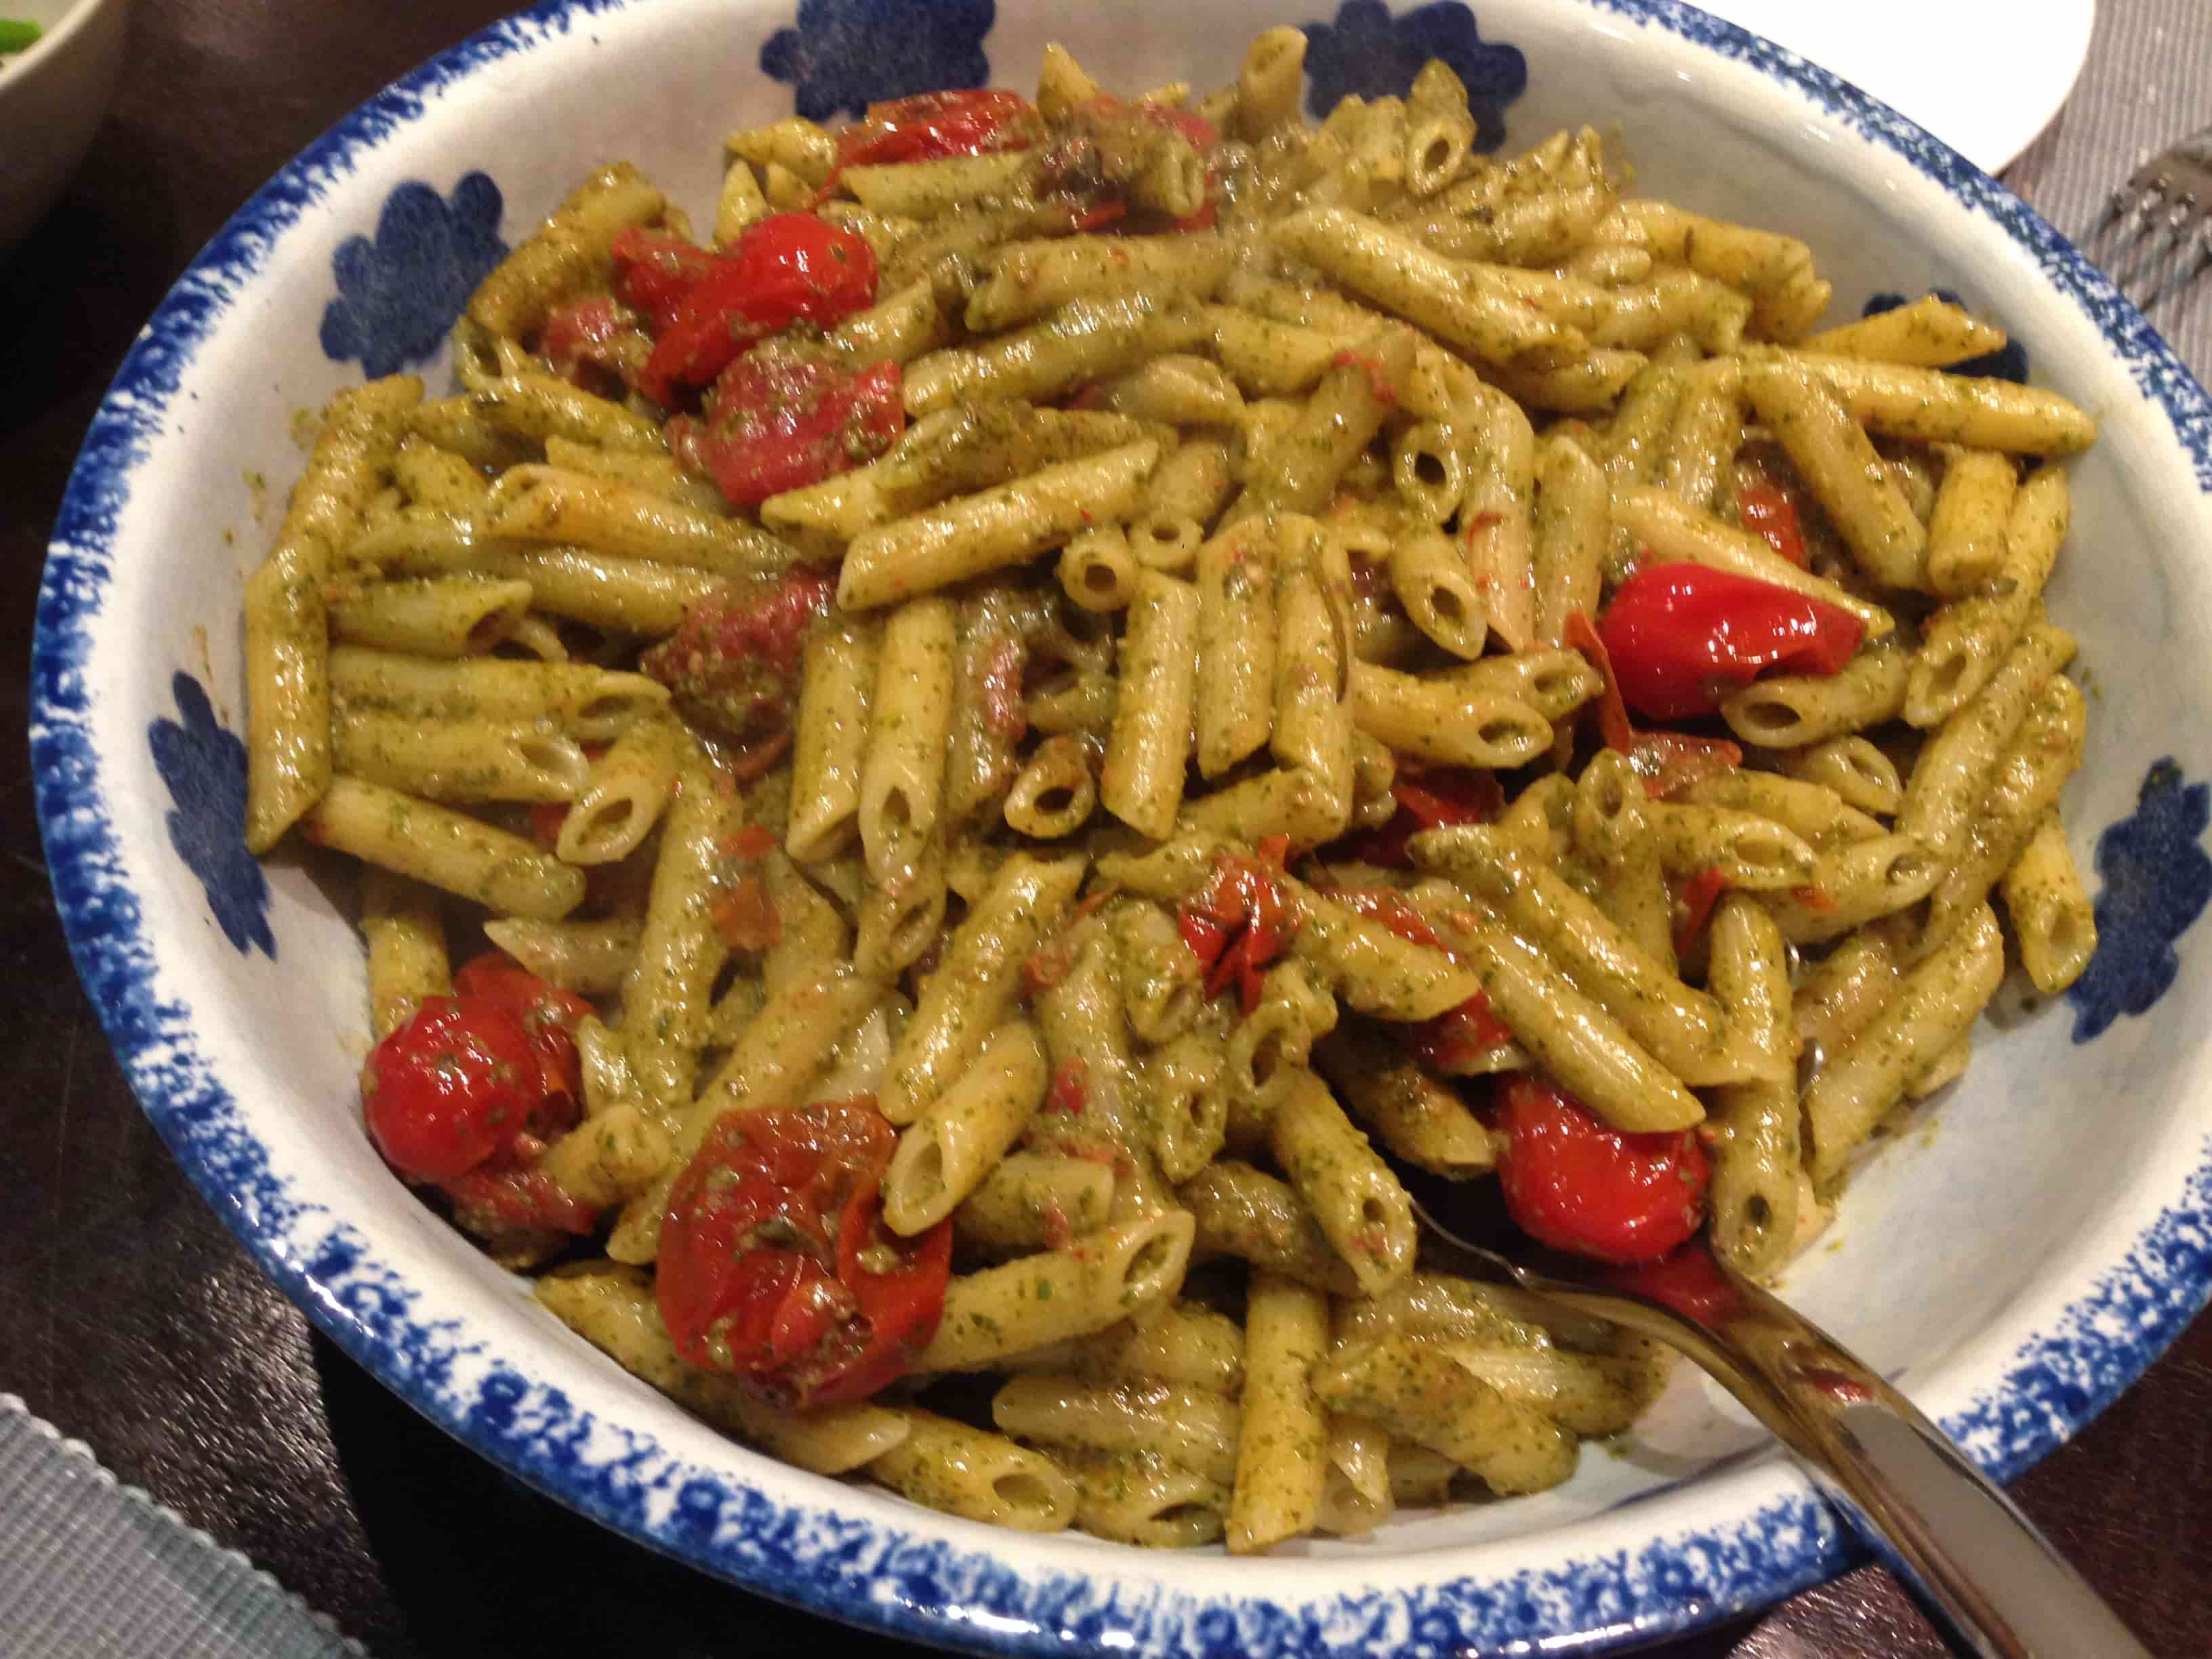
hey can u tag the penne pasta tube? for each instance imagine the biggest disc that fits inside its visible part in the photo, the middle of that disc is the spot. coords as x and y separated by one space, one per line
443 849
1838 464
2051 916
459 762
406 941
945 1154
1034 1300
1963 643
439 616
1436 718
1929 333
1148 750
1934 1005
979 1476
1898 401
975 534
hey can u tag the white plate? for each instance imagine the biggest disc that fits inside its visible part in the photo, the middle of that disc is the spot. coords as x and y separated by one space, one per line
1984 76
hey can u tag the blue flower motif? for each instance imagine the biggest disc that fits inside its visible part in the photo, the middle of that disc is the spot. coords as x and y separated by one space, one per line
1368 53
848 54
205 766
399 294
2156 882
2008 364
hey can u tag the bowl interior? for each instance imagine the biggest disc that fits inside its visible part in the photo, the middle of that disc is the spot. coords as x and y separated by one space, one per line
1970 1255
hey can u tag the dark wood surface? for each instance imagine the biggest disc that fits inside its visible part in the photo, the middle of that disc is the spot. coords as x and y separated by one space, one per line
129 1317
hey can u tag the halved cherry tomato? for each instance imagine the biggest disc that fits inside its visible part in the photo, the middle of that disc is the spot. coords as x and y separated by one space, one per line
492 1200
1682 636
931 125
787 414
774 1264
1243 920
446 1091
1768 513
787 268
1571 1182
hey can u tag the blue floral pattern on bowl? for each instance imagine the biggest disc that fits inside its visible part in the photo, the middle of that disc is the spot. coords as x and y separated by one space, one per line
398 295
847 54
2157 879
205 766
1368 53
2009 363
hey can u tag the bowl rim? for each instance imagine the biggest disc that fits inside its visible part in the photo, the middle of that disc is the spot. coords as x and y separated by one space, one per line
26 64
944 1584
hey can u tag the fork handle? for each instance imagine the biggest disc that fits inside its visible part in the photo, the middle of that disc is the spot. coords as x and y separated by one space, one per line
1985 1576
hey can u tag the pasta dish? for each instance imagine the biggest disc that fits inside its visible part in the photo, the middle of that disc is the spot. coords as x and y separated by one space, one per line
1013 741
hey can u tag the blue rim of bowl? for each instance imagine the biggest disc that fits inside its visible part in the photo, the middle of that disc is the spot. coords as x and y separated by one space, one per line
853 1569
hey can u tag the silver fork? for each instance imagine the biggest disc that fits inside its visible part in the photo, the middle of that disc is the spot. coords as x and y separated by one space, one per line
2155 236
1987 1579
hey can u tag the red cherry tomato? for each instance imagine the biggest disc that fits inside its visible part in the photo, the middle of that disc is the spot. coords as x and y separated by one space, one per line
1771 513
1667 761
656 272
1573 1183
490 1200
549 1014
736 662
787 414
1682 636
1688 1280
931 125
787 268
1699 895
1440 795
597 344
1243 920
449 1089
774 1264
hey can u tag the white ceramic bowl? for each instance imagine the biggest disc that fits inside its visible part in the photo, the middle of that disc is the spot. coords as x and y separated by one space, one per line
52 98
2013 1268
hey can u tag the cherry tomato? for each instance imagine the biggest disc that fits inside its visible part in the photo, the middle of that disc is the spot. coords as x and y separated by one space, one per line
1688 1280
745 916
1682 636
549 1014
931 125
1571 1182
1768 513
656 272
490 1200
1665 761
787 268
1441 795
1458 1039
787 415
774 1264
594 342
446 1091
735 662
1243 920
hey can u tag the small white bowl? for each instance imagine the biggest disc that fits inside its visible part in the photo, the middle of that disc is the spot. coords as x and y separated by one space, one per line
52 99
2014 1261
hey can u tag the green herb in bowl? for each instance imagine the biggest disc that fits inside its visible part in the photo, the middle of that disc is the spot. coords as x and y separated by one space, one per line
18 34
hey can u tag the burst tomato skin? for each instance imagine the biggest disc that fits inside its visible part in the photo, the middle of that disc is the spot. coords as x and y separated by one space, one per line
549 1016
1574 1184
1682 636
934 125
775 1263
445 1092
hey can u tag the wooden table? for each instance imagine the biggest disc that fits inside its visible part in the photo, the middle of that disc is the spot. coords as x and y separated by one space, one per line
130 1318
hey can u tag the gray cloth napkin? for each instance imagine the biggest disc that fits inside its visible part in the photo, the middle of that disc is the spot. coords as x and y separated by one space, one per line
91 1569
2147 82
